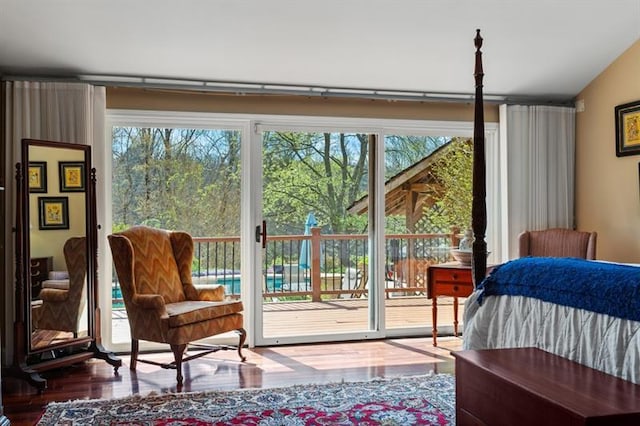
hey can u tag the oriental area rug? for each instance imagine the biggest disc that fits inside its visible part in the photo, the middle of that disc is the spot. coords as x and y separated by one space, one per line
423 400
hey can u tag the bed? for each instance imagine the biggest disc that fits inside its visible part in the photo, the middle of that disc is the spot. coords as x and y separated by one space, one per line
586 311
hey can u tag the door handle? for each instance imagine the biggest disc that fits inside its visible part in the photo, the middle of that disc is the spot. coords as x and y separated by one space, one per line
261 234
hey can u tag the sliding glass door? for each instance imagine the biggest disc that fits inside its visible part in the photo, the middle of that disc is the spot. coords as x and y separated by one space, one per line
177 175
427 204
315 261
324 227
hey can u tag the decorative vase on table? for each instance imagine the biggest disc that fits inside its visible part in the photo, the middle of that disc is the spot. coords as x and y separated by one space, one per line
463 253
466 242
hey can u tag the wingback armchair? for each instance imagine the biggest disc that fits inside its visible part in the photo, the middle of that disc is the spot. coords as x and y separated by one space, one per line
558 242
154 271
62 307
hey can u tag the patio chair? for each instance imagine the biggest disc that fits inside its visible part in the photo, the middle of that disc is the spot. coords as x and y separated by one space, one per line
154 270
295 278
362 279
354 279
412 273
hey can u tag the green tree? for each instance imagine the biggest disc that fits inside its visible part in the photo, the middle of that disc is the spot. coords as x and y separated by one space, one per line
319 172
190 178
403 151
454 173
177 179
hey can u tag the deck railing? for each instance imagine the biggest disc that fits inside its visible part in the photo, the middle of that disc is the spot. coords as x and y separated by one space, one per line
336 267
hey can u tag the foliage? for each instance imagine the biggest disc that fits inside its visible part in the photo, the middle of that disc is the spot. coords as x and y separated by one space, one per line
321 173
403 151
189 179
454 173
177 179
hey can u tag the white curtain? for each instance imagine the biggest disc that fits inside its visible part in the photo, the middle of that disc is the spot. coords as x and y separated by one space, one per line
54 111
61 112
538 144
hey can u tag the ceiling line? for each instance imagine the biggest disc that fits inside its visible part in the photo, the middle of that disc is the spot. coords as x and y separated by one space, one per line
247 88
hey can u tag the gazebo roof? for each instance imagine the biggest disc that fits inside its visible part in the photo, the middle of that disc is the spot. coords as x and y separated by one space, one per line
410 190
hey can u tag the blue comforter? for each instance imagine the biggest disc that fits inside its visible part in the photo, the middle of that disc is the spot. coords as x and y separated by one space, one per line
605 288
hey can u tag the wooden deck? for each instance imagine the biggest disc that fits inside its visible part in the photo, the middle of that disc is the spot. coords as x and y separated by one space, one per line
300 318
349 315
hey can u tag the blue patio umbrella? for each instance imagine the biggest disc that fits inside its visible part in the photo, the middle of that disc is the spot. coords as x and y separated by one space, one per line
305 246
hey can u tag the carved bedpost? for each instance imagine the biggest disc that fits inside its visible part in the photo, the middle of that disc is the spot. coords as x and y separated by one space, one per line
479 205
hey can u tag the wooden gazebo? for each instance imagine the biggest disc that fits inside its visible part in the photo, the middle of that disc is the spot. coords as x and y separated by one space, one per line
409 191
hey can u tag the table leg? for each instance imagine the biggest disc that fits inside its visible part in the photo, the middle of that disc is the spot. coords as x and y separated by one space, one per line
455 316
434 312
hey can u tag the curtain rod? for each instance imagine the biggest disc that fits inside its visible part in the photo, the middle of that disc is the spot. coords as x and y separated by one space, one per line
247 88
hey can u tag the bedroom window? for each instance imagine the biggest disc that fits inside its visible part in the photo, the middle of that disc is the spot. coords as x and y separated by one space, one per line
218 176
179 178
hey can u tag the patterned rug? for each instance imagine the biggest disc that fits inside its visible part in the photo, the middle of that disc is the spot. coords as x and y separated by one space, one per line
423 400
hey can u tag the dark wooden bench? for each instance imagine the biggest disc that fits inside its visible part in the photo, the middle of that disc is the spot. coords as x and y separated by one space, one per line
528 386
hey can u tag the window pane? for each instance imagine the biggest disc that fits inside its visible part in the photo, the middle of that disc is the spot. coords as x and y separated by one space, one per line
180 179
427 203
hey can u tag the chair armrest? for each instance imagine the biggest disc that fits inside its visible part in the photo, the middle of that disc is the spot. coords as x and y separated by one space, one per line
149 301
211 294
523 244
53 295
59 284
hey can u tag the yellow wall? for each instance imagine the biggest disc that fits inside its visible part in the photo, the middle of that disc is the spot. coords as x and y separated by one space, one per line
45 243
607 187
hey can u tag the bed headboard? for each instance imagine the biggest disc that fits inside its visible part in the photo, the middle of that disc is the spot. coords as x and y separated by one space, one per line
479 205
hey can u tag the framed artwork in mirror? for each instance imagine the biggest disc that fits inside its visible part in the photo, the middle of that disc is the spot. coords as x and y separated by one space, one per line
72 176
53 212
37 176
628 129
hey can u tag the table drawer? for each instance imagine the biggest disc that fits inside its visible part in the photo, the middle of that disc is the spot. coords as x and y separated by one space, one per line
452 276
453 289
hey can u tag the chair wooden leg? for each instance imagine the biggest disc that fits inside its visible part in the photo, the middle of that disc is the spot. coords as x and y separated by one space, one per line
134 354
178 351
243 337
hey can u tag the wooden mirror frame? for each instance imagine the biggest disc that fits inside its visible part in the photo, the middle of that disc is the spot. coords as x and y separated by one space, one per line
27 364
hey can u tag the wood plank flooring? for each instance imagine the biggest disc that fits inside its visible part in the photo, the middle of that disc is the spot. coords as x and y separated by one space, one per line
265 367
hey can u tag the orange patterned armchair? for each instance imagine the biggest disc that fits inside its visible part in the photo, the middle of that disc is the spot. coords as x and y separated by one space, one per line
154 270
62 307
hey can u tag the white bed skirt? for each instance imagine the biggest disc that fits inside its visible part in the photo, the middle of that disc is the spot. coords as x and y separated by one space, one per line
598 341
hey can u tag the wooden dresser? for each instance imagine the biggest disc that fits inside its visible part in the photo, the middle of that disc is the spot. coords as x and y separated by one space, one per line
40 268
531 387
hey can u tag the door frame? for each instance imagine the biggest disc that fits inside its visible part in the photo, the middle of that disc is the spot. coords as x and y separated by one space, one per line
379 128
310 124
103 162
251 126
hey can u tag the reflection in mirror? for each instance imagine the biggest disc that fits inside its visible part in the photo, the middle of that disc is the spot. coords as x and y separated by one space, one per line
57 314
57 230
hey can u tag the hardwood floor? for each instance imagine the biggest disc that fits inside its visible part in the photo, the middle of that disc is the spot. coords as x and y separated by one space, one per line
265 367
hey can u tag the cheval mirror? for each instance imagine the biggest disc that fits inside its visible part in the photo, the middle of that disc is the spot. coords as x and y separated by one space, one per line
57 313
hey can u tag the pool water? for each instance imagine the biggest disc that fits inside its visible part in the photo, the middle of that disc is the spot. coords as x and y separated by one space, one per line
231 286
